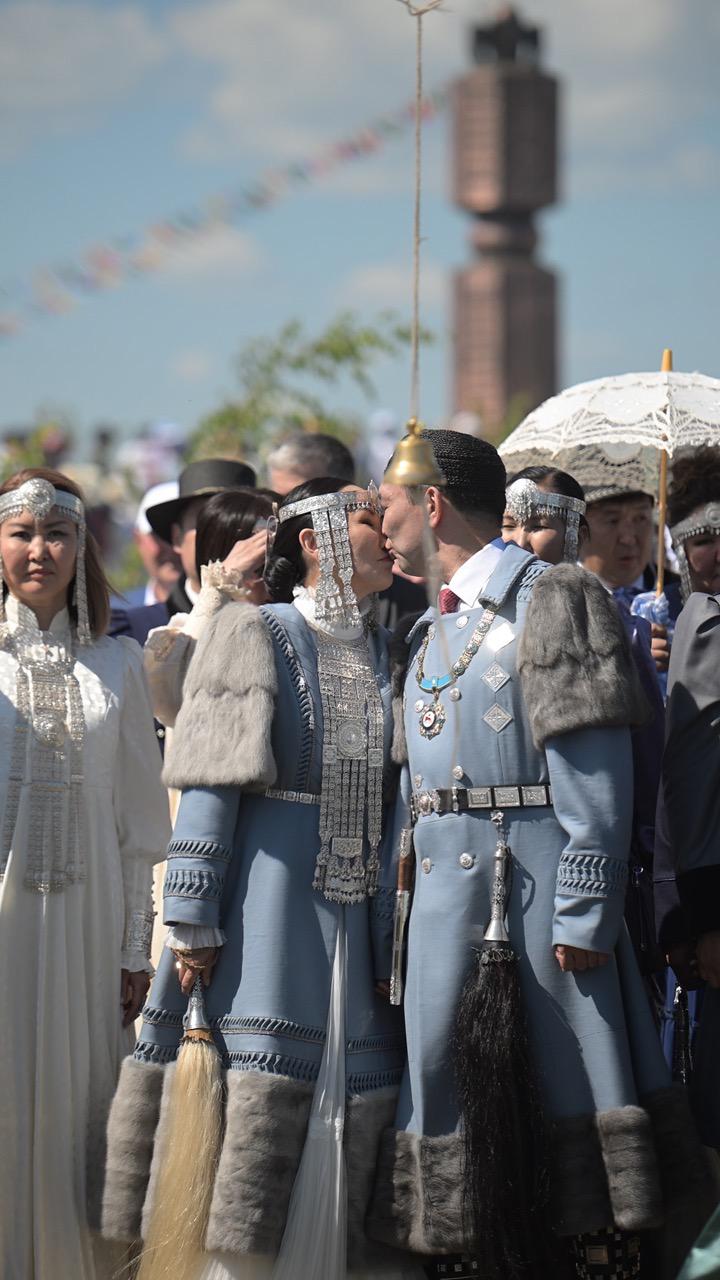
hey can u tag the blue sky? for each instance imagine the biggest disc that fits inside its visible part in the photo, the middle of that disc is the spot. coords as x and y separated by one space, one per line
115 114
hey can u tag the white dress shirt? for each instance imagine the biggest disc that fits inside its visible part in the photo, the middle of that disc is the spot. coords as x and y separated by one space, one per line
473 576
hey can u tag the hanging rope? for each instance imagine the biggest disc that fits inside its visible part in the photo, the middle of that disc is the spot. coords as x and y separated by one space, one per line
417 12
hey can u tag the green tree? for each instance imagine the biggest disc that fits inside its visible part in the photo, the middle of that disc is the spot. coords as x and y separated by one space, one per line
285 380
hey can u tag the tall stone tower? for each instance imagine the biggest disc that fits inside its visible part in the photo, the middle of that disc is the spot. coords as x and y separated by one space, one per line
504 170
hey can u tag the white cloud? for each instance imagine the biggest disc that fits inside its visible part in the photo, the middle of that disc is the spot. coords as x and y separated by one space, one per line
389 284
221 252
192 365
61 60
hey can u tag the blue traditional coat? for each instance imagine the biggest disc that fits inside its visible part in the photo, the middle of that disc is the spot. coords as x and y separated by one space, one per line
594 1045
244 862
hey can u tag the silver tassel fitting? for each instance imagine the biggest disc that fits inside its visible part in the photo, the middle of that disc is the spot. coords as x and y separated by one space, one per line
195 1018
496 930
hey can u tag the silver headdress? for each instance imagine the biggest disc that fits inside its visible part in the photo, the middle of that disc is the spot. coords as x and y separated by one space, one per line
524 499
702 520
334 601
352 710
39 497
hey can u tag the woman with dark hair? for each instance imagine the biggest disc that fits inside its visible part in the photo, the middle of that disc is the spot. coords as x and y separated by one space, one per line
83 817
230 550
281 748
545 513
694 520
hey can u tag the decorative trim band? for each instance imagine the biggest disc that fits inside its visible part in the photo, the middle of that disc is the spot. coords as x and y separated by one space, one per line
198 849
591 875
187 883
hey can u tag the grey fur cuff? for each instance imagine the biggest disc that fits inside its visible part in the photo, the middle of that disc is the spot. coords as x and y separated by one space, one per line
222 732
574 658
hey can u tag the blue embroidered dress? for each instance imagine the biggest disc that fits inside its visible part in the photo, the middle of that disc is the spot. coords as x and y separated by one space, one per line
244 861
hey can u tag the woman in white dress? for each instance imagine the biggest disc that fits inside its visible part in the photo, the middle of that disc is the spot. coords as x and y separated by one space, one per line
83 817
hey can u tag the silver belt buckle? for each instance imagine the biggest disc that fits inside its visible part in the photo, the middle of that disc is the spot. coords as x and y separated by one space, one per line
479 798
423 803
507 797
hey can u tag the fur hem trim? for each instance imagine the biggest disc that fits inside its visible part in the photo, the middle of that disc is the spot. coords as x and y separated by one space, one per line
574 658
631 1164
367 1116
222 731
417 1202
265 1124
606 1170
130 1141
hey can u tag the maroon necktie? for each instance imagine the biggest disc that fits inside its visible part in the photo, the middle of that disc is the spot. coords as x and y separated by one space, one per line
448 601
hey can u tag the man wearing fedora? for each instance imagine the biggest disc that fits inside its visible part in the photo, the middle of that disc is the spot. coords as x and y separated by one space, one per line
175 521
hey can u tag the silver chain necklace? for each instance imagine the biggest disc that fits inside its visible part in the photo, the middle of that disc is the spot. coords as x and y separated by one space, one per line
432 714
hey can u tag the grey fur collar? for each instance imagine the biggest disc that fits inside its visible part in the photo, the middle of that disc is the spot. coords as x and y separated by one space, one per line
399 654
222 732
574 658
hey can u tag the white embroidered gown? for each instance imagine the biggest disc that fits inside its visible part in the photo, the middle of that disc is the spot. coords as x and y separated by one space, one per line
61 1036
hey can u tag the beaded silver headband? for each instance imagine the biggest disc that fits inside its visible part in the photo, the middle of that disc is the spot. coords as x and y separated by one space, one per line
334 602
524 499
703 520
39 497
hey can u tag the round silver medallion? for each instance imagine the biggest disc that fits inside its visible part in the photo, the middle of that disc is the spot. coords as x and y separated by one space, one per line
458 772
455 695
50 729
351 739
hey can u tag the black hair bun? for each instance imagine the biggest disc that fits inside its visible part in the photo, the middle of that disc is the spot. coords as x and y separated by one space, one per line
281 576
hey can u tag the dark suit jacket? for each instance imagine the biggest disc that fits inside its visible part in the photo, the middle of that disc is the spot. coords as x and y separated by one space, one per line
691 764
139 622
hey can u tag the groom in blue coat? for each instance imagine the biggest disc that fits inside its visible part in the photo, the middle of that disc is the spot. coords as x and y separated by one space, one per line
516 698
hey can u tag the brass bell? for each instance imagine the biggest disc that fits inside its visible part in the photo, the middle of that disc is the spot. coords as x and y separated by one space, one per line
413 463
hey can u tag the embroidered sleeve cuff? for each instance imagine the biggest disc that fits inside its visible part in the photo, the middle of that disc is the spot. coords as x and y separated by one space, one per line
589 901
700 896
194 882
135 954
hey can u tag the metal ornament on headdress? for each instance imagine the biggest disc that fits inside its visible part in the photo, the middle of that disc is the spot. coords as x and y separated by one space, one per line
39 497
352 710
703 520
524 499
334 601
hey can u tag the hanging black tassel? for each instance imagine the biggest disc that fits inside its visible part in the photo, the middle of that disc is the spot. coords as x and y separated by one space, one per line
506 1184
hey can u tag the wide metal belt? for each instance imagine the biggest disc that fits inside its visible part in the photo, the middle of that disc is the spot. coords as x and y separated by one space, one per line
461 799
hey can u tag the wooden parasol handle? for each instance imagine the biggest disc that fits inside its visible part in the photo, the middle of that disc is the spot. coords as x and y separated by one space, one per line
665 367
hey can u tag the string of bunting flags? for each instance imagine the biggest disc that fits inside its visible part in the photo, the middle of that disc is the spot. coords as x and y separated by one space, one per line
56 290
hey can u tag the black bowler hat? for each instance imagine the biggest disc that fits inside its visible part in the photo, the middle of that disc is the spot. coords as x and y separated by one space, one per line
199 480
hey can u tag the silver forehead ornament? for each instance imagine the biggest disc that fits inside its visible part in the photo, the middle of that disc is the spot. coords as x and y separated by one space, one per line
39 497
704 519
524 499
